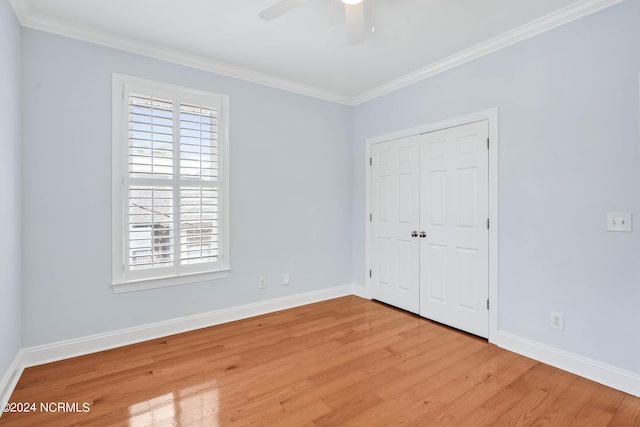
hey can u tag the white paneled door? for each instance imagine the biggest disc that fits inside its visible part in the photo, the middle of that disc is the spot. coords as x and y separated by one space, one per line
454 212
429 225
394 218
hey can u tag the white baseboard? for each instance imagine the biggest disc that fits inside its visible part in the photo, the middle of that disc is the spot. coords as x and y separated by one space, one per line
360 291
10 379
80 346
617 378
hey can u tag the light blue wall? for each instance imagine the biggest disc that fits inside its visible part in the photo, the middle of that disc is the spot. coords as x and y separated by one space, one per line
10 320
290 193
569 152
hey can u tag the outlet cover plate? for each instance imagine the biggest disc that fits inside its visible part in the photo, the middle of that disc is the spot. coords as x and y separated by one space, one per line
557 321
619 221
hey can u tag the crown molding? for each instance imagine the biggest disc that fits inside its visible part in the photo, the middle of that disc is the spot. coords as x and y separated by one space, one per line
21 9
55 26
563 16
531 29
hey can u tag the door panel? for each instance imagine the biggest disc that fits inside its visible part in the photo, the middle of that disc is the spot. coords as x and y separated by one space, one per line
437 197
395 203
453 213
467 193
436 273
466 280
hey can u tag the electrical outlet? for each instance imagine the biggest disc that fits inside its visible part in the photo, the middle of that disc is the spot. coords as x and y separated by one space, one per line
557 321
263 282
286 279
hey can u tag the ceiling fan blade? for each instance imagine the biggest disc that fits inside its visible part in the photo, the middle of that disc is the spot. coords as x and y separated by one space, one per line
354 18
280 8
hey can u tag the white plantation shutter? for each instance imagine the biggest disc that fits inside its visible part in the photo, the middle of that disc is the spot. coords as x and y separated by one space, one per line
172 193
199 205
150 227
150 137
198 142
198 225
151 152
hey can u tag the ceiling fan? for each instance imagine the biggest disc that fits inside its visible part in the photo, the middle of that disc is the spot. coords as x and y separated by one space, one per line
353 12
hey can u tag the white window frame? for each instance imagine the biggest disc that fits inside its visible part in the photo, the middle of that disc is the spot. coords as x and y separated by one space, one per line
123 281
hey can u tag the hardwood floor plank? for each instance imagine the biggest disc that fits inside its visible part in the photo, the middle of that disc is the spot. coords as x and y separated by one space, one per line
477 385
436 363
628 414
352 407
414 390
541 393
346 361
563 411
317 392
499 403
370 383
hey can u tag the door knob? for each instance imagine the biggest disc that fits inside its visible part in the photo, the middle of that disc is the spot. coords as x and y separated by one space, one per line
423 234
414 234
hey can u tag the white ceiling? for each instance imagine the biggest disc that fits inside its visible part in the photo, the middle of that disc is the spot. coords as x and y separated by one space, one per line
412 40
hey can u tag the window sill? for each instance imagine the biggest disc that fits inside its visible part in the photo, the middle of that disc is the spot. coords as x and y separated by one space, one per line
161 282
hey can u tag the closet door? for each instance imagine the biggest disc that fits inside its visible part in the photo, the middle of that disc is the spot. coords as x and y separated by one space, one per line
454 255
394 223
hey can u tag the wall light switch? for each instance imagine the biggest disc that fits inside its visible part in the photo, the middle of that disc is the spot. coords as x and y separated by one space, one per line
619 221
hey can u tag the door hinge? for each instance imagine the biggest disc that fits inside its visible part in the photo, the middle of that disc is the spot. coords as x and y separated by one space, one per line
370 273
370 217
370 161
487 143
487 223
487 304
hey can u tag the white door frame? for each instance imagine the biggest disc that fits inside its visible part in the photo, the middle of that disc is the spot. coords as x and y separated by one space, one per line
491 116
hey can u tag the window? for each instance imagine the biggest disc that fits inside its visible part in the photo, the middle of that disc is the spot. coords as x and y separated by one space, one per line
170 185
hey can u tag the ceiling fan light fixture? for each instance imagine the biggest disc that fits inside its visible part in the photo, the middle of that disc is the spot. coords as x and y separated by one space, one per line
351 2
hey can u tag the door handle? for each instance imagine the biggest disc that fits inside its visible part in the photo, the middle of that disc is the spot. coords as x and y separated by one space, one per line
423 234
414 234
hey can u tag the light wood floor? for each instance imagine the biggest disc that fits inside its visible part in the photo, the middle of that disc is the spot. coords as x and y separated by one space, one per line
342 362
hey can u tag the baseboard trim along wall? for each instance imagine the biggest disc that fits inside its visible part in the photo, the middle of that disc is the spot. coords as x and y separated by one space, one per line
81 346
361 291
10 379
67 349
608 375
